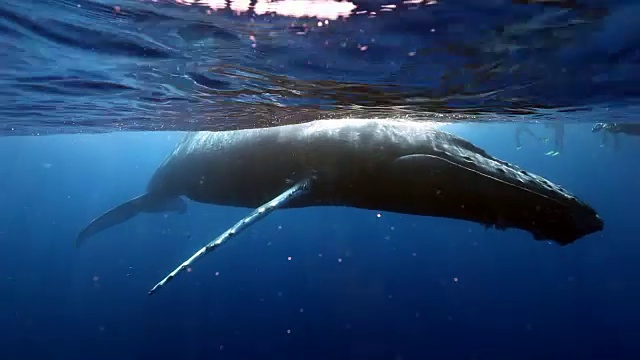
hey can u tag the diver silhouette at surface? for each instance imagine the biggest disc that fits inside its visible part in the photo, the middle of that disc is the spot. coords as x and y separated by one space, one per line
613 130
558 137
558 129
523 128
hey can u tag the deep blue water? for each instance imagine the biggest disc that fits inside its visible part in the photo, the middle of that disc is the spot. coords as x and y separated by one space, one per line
314 283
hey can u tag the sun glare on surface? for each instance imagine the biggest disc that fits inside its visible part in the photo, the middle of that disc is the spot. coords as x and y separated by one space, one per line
319 9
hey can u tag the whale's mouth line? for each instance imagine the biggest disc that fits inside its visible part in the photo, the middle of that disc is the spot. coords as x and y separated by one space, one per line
499 180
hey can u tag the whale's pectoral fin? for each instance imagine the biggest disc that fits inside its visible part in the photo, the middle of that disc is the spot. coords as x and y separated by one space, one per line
121 213
257 214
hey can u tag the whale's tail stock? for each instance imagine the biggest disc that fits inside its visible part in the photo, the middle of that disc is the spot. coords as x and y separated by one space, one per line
147 203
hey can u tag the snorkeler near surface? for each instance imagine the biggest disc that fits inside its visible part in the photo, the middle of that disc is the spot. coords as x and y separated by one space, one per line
523 128
614 129
558 138
558 129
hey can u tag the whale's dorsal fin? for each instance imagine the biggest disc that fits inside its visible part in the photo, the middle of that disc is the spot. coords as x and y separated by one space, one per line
149 203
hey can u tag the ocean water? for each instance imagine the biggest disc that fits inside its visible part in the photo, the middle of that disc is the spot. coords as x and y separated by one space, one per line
95 94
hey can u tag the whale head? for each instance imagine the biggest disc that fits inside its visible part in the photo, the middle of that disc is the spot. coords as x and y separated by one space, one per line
517 198
544 209
456 179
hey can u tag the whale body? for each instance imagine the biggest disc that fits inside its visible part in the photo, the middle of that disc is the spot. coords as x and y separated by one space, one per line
379 164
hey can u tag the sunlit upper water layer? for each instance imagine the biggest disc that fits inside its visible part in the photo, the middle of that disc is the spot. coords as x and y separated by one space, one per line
85 66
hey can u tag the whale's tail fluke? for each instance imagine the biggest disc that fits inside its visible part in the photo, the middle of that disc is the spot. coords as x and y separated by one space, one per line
148 203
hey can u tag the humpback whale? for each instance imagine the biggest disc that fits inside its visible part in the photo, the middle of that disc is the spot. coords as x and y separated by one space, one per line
388 165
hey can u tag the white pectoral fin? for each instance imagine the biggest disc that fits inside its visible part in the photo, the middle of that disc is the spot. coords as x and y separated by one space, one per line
291 193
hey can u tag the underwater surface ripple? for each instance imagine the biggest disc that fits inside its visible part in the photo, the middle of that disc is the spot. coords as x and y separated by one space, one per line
84 66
